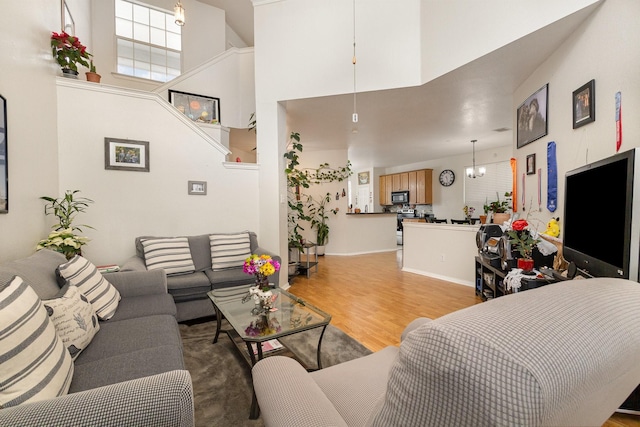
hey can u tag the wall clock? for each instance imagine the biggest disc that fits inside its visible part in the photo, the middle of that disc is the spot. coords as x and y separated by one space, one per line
447 177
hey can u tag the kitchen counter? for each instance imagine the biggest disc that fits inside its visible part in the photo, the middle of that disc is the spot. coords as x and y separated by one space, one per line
372 213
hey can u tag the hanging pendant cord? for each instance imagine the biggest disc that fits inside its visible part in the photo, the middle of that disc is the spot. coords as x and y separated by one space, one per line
354 57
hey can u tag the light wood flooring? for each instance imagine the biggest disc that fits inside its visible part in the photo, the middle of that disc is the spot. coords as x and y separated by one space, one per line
371 299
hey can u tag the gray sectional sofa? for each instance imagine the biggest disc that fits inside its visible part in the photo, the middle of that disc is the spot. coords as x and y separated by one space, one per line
131 373
190 290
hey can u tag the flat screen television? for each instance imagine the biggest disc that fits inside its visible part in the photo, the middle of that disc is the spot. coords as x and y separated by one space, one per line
601 220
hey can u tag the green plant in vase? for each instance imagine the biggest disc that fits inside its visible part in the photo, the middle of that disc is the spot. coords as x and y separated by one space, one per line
69 52
64 239
523 241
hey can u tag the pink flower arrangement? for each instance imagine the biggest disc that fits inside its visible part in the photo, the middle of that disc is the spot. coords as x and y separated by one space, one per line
261 266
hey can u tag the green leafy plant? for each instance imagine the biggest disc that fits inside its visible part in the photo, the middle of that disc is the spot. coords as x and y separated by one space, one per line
498 206
319 217
92 68
68 51
299 179
521 239
63 238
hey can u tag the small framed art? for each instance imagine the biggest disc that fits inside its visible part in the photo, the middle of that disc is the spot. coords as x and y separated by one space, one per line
363 178
198 188
126 155
199 108
531 164
532 117
584 104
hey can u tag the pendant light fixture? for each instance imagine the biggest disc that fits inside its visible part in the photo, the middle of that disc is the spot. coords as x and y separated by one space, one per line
471 172
178 13
354 116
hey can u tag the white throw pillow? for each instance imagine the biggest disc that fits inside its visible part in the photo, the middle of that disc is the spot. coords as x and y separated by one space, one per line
80 272
74 318
229 250
171 254
34 365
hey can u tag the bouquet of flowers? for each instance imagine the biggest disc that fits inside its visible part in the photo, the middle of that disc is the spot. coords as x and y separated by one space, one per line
468 211
262 266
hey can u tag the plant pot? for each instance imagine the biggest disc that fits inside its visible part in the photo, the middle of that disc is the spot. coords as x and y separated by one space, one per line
69 73
483 219
499 218
93 77
525 264
320 250
293 268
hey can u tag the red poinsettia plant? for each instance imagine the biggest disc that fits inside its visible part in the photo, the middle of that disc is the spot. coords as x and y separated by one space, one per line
68 51
521 238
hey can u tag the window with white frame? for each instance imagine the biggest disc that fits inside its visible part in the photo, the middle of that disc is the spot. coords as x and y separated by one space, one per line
497 181
148 42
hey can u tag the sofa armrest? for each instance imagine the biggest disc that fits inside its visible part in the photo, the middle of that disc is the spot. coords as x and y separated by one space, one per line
159 400
134 263
287 394
136 283
415 324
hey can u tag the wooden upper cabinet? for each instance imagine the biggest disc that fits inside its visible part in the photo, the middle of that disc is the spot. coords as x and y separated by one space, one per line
384 194
397 185
424 188
404 181
413 187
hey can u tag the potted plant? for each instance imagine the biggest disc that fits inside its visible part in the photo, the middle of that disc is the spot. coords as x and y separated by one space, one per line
92 76
523 242
69 52
317 211
499 209
63 239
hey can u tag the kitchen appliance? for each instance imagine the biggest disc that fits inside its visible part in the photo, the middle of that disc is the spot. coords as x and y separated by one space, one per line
399 197
403 213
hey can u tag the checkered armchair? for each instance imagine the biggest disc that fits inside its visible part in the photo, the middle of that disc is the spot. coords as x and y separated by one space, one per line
565 354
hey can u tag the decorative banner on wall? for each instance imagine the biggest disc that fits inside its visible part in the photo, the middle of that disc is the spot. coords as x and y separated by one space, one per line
552 177
618 121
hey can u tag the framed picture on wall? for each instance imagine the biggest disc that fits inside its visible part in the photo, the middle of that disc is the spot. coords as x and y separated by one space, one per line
531 164
126 155
584 104
363 178
532 117
199 108
4 172
198 188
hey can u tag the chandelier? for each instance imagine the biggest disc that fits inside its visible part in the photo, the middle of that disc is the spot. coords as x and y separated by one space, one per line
178 13
471 172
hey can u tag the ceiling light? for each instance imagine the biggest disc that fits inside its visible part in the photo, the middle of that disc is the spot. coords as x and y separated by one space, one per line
178 13
471 172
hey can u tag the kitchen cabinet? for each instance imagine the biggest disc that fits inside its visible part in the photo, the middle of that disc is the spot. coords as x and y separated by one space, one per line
418 182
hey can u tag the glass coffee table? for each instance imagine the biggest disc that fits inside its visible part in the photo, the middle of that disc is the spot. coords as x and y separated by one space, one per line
290 315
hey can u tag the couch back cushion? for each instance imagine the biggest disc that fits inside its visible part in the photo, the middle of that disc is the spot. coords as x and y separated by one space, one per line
172 254
562 354
34 364
80 272
37 270
229 250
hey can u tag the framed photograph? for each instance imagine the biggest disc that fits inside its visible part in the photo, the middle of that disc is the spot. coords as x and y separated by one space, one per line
363 178
584 104
198 188
532 117
199 108
126 155
4 172
531 164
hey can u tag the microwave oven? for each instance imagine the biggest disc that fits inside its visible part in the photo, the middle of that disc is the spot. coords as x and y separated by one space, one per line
399 197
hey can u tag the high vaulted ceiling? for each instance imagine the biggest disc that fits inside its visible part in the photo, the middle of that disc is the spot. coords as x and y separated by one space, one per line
436 120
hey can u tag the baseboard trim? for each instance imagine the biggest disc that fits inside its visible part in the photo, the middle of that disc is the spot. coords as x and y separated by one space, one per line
441 277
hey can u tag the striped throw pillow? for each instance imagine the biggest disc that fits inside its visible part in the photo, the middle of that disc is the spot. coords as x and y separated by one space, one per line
171 254
229 250
102 295
34 365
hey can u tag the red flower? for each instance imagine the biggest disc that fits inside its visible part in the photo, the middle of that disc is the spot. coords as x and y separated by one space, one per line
519 224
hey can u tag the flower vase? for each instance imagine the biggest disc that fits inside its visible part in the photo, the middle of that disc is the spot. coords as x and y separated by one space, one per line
69 73
525 264
262 281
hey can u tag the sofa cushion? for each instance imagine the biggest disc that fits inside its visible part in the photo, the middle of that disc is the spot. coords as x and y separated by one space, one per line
200 251
38 271
144 305
104 297
171 254
229 250
189 284
229 277
74 319
34 364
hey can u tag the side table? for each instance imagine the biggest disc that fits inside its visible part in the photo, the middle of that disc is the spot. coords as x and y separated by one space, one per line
306 250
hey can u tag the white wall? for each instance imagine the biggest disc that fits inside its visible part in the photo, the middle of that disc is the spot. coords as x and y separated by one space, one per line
129 204
604 48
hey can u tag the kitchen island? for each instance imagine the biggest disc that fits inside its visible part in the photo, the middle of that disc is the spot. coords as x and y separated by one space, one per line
442 251
362 233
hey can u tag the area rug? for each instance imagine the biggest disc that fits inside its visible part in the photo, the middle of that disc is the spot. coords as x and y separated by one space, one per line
222 379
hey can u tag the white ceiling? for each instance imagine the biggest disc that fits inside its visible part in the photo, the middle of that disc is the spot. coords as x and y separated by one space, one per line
432 121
